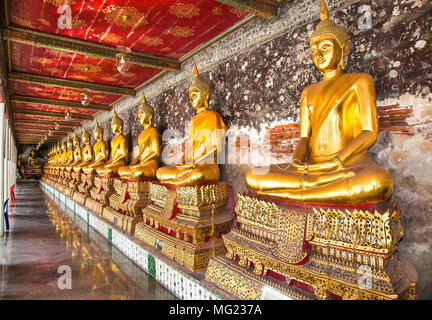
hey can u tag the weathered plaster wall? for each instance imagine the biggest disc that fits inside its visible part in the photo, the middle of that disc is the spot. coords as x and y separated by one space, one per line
257 75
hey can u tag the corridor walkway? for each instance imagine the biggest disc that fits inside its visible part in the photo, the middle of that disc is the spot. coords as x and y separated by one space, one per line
45 243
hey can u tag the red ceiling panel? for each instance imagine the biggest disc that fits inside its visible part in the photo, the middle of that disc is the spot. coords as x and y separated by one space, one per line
170 28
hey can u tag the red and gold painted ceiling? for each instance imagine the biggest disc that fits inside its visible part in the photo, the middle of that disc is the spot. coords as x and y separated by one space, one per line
172 29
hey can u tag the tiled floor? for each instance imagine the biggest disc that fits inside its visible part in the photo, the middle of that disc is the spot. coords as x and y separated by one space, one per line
44 240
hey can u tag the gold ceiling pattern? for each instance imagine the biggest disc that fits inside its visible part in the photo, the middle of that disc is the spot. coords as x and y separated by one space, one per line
115 14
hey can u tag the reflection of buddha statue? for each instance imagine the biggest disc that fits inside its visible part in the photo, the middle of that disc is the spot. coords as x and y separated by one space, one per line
338 119
118 149
76 153
99 150
205 131
86 155
146 163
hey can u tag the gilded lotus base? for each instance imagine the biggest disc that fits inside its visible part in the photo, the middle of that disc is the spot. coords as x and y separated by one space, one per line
99 195
121 220
186 223
84 188
316 252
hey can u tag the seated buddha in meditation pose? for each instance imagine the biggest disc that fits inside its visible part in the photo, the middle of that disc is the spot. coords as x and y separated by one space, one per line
99 150
32 160
63 156
69 154
86 155
146 162
118 150
338 123
76 153
205 130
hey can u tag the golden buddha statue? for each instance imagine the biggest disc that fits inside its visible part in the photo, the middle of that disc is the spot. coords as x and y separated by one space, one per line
77 152
86 155
99 150
69 153
338 123
32 160
118 149
146 162
206 130
63 155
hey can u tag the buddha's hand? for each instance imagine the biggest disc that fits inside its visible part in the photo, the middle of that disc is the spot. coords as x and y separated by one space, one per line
325 166
185 166
298 165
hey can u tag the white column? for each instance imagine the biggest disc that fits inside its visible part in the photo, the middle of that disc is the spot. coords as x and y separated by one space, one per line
2 110
5 174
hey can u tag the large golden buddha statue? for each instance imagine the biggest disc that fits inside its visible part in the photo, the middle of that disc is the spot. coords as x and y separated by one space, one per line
32 160
146 162
86 154
338 123
206 130
99 150
118 149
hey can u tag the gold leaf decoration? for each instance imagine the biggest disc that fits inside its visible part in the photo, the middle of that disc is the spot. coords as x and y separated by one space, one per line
166 49
217 11
110 37
115 14
53 70
42 60
108 78
151 41
83 67
59 2
181 32
183 10
78 23
43 21
239 13
21 22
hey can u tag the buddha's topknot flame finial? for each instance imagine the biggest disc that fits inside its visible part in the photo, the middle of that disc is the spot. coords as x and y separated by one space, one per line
324 13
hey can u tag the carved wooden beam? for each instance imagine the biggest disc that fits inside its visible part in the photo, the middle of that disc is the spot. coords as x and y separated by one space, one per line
47 123
260 8
51 114
72 84
58 103
46 40
29 133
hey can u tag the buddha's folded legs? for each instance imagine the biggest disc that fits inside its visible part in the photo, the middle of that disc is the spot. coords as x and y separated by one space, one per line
201 174
353 185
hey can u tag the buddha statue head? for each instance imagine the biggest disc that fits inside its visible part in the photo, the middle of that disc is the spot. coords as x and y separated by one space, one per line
76 141
145 113
85 137
329 43
63 146
33 153
199 91
116 124
98 132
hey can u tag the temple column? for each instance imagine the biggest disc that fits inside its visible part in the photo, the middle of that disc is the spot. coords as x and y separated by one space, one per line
6 160
2 149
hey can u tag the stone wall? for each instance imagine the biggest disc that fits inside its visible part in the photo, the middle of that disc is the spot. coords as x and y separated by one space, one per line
257 75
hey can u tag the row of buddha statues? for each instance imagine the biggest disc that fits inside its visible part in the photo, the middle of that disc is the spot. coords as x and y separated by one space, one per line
314 221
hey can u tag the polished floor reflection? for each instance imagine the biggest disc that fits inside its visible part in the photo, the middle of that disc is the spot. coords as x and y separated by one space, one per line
45 243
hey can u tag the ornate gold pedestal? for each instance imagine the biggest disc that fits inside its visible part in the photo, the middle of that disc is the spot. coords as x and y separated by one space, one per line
65 182
314 252
125 209
99 195
84 188
73 184
186 223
